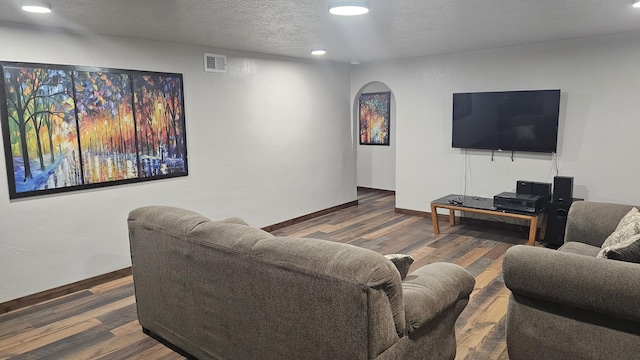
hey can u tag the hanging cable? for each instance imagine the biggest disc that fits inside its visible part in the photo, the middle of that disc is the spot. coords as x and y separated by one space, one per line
464 183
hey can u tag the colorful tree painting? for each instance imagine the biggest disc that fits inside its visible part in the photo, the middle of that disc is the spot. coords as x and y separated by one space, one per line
40 121
105 121
374 118
66 128
160 134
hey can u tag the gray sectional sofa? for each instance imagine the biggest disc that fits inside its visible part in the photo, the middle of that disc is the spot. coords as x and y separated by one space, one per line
568 304
225 290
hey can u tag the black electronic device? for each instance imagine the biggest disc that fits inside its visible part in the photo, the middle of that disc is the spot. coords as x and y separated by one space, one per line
534 188
524 187
519 202
563 189
557 213
540 188
507 120
556 222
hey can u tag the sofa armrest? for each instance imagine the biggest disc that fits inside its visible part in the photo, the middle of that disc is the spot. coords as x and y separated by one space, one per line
601 285
592 222
433 288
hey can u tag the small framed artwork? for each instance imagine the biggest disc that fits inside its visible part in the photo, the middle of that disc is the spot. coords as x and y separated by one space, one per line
374 118
69 127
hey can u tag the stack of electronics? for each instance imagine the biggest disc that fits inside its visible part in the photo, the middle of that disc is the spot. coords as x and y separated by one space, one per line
532 197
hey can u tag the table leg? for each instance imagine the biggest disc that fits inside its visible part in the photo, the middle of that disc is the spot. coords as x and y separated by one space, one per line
543 226
434 219
452 217
532 231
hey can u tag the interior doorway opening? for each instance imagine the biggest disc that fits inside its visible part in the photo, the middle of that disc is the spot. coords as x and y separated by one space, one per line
376 163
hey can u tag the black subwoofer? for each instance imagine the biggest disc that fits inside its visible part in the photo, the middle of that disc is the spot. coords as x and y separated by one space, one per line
556 222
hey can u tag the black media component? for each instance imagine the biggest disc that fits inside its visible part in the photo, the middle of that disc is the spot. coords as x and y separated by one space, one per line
557 213
507 120
518 202
540 188
556 222
563 189
524 187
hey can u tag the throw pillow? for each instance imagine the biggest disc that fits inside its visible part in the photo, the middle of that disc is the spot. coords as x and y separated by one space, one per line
628 226
625 250
402 263
630 253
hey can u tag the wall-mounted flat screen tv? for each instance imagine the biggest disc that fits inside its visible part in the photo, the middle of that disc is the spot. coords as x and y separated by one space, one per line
507 120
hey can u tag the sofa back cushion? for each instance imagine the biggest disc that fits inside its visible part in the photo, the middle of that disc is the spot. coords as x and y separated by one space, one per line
230 291
344 262
592 222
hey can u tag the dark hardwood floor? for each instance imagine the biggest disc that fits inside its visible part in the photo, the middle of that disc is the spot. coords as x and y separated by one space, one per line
101 322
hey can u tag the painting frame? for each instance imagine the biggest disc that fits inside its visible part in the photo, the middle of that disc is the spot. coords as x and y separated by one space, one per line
67 127
374 118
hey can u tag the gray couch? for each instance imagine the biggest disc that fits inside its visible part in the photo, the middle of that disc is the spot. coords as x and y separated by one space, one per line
568 304
225 290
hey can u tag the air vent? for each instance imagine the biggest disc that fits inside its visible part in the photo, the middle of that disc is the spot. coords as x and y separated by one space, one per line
215 63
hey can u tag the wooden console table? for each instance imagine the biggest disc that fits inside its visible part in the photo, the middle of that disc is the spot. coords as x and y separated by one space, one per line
481 205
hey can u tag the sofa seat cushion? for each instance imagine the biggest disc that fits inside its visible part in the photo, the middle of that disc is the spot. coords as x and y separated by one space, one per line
579 248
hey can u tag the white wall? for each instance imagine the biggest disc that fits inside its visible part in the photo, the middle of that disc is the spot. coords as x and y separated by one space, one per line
269 141
272 140
376 166
599 123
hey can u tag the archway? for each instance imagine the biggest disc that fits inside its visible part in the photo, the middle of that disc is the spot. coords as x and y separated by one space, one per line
376 164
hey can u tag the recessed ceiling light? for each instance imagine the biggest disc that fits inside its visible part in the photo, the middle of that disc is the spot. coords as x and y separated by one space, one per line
318 52
39 7
635 3
349 8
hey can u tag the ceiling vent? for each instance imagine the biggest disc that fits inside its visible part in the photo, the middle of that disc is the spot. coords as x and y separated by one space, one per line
215 63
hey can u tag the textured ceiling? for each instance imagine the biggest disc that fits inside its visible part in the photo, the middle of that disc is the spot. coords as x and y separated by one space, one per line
393 29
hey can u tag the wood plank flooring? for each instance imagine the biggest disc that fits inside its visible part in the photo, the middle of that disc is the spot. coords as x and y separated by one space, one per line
101 322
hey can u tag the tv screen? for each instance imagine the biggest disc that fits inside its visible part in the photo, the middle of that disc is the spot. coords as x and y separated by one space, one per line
507 120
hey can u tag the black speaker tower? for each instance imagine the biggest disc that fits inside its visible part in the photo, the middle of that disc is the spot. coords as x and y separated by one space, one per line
563 189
